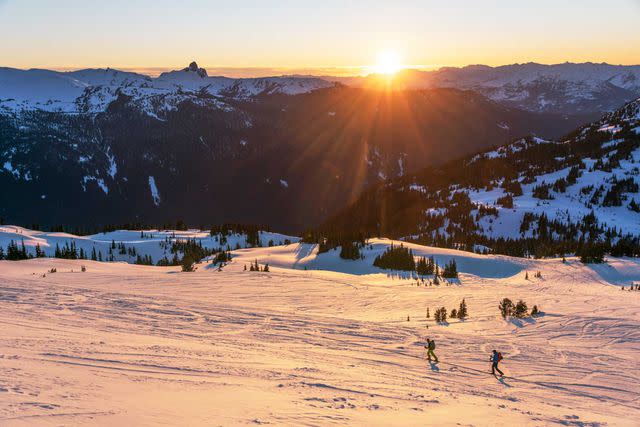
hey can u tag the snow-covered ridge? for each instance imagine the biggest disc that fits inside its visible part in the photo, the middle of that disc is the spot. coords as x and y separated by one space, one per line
588 74
91 90
566 188
566 88
152 243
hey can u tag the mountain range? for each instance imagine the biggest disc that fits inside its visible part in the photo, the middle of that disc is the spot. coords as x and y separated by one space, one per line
102 146
560 88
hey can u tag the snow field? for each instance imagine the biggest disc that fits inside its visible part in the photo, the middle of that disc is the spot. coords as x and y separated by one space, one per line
329 345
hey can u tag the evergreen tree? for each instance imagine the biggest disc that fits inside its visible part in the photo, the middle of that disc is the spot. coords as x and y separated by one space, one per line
534 311
428 316
396 258
592 253
94 256
23 251
440 315
187 263
422 267
520 310
462 311
266 268
506 308
454 313
1 253
450 270
349 250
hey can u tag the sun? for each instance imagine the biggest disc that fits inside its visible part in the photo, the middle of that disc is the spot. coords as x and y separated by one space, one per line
388 62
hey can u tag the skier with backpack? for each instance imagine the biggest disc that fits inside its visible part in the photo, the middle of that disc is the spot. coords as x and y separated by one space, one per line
431 345
496 357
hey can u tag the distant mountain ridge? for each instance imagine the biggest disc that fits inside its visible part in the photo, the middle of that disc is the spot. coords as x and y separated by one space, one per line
558 88
102 146
92 90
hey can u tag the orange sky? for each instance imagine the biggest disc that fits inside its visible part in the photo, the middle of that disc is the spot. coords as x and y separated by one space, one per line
251 37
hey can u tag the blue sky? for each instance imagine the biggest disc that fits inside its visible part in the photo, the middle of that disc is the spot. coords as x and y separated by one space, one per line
314 35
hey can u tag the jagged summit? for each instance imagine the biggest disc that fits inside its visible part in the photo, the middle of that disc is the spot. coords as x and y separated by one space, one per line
193 67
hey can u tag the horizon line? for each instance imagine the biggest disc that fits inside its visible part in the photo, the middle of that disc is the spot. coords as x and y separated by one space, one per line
315 71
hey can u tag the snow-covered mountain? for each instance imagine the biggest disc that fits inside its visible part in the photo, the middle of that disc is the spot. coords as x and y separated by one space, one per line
562 88
92 90
98 147
527 196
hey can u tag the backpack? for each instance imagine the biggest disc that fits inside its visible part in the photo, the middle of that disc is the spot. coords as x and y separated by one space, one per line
499 356
432 345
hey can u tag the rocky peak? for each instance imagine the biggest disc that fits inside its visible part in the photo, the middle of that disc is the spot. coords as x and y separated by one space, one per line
193 67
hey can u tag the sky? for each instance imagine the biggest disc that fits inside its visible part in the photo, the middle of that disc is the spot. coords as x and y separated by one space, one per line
341 37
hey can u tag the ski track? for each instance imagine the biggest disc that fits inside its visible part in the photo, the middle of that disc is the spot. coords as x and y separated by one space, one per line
149 345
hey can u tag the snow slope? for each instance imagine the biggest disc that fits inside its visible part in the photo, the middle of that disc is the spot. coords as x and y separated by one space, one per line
136 345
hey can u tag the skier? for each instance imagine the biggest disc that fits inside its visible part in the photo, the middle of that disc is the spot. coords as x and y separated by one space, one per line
496 357
431 345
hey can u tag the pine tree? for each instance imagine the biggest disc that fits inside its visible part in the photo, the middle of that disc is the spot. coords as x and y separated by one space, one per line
450 270
506 308
266 268
454 313
187 263
1 253
520 310
526 275
441 315
421 266
462 311
94 257
396 258
534 311
23 251
428 316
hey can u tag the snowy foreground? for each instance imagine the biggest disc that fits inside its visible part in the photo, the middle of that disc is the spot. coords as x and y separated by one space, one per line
123 344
